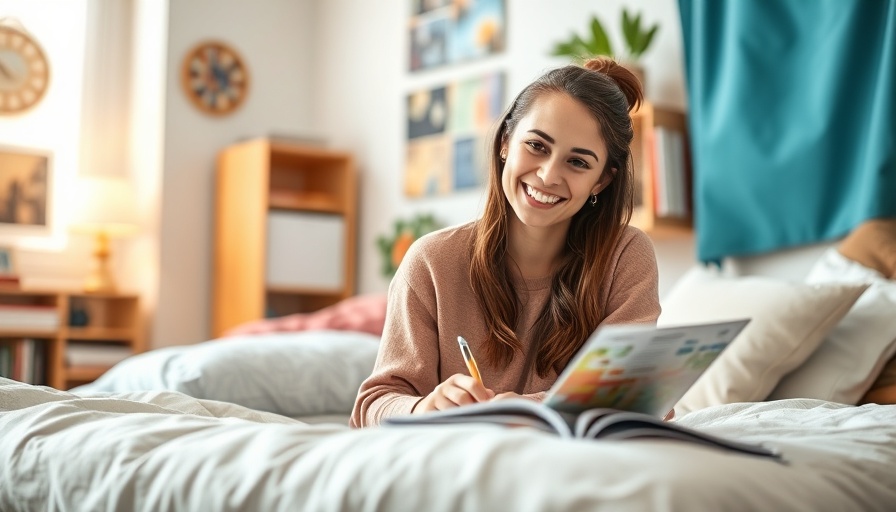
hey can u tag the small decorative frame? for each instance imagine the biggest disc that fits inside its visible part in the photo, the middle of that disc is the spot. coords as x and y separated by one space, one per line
24 191
7 261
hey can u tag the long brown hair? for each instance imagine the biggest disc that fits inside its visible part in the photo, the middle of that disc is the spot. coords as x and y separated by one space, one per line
574 310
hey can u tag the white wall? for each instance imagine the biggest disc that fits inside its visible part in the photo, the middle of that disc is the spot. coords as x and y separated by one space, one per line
362 80
274 39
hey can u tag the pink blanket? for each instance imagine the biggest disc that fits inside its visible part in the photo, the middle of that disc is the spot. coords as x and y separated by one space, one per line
364 313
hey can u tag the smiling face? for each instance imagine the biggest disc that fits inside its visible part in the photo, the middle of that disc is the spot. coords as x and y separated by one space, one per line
555 162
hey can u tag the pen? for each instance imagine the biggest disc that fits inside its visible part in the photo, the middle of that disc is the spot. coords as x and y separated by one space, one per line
468 358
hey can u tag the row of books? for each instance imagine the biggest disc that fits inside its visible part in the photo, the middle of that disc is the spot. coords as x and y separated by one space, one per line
24 360
671 177
29 316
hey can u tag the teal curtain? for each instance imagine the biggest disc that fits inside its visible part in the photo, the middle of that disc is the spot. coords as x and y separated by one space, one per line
792 118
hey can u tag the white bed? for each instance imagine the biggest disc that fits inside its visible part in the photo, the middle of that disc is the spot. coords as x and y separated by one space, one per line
235 445
166 451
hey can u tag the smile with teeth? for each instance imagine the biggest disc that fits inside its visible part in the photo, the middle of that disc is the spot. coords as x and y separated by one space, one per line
539 196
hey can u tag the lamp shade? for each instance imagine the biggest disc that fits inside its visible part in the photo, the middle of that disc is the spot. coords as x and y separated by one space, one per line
104 203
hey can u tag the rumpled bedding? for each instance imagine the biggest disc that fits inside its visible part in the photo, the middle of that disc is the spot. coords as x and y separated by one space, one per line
166 451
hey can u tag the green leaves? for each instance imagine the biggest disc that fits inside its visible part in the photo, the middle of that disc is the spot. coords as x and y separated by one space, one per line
580 49
600 43
406 231
637 40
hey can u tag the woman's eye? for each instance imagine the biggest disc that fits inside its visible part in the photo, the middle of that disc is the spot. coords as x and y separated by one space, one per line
578 162
536 145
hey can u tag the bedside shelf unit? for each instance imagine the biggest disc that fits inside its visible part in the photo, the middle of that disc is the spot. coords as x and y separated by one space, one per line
285 231
648 155
112 319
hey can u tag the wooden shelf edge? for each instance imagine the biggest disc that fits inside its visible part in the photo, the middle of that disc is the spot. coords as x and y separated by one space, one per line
304 290
114 334
84 373
39 334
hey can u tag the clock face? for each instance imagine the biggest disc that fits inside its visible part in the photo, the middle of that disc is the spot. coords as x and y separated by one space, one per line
24 71
215 78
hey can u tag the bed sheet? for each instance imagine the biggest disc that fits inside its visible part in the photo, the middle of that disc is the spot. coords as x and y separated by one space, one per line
167 451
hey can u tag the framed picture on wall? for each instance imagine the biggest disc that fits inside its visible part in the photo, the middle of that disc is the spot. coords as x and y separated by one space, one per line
24 189
446 32
447 129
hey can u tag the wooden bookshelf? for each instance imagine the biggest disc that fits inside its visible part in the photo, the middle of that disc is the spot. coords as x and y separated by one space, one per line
110 319
648 155
260 180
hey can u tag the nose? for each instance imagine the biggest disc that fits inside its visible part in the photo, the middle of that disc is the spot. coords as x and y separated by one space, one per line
549 172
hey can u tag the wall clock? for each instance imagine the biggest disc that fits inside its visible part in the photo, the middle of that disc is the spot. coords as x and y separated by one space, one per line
24 70
215 78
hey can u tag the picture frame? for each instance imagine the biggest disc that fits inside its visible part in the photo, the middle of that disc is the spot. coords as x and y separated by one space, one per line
7 261
25 190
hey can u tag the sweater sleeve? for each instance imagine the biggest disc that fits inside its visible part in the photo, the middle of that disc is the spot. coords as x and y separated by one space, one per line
407 364
632 295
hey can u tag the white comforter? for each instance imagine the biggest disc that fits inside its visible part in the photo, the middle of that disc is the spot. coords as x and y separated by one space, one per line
166 451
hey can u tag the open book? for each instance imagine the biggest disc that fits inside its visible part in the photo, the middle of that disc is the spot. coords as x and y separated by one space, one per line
598 423
639 367
620 384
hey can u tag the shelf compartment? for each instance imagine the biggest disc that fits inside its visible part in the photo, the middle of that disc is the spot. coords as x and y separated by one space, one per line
83 374
123 335
283 302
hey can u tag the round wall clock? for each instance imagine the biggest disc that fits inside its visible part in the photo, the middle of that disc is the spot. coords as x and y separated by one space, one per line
215 78
24 70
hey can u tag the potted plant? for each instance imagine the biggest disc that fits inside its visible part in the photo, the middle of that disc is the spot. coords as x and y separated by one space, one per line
637 40
406 231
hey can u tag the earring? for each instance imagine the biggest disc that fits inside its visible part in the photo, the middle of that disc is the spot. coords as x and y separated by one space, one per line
503 157
593 200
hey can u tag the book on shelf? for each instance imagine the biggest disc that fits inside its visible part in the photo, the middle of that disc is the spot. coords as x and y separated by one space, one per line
9 280
96 354
23 360
28 316
620 385
670 173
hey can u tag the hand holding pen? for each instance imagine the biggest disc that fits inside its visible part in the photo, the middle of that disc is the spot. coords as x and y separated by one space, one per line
458 389
468 358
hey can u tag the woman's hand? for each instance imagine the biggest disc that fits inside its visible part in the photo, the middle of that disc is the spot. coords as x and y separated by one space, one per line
458 389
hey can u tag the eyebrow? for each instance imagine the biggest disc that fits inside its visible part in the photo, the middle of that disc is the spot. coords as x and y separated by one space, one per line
550 139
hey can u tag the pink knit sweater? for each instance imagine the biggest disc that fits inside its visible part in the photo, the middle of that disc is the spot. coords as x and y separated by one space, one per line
431 303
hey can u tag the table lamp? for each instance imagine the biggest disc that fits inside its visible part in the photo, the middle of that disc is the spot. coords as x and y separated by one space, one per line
104 207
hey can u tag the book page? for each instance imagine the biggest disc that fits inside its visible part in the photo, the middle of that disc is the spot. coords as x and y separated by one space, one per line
507 413
629 425
641 368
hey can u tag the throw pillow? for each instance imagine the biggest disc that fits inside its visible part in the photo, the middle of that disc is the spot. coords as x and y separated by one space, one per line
853 354
788 322
294 374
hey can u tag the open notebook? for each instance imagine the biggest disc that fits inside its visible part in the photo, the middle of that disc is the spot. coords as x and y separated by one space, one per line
619 386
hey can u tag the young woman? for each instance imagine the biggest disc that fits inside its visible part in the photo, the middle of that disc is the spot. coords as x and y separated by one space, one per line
551 259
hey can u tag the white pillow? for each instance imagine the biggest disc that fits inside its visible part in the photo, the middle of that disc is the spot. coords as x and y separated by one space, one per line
853 354
290 373
788 322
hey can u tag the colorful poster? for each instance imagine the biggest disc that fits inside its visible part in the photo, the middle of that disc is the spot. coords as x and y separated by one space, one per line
450 31
447 130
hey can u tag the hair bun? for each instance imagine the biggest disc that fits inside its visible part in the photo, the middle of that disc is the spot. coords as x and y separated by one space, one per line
627 81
